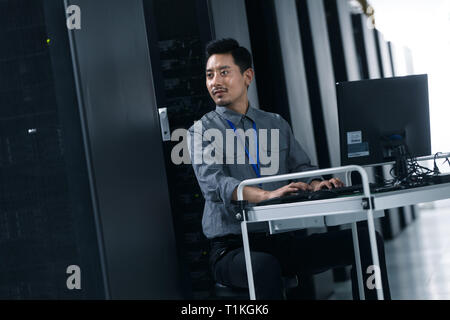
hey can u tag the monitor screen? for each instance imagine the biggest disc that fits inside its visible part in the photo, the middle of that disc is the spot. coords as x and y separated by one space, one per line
377 116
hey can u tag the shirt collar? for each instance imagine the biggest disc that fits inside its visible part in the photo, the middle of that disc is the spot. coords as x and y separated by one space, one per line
234 116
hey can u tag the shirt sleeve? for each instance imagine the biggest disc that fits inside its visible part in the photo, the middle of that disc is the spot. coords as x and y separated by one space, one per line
216 185
298 160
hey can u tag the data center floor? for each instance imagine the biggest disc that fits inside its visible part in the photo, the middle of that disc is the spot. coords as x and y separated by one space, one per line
418 259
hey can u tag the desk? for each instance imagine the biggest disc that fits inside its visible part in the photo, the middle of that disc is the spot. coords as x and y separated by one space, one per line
347 209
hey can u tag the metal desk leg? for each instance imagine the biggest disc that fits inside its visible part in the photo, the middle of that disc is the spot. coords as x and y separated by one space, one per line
374 249
248 261
362 295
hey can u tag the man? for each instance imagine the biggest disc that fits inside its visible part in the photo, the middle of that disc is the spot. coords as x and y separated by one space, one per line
229 73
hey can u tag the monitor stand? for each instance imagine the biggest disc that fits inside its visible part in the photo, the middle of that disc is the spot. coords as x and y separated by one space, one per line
395 148
401 162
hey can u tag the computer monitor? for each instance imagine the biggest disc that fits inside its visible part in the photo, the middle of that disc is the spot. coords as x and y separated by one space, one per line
383 120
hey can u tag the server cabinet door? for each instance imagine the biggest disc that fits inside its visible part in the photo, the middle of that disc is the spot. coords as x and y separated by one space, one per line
117 97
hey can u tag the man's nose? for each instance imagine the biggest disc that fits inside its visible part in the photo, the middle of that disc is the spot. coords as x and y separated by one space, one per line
215 80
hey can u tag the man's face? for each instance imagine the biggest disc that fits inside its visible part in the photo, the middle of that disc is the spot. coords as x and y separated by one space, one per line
224 80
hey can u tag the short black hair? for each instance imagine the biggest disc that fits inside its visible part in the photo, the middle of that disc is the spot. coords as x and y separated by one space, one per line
241 55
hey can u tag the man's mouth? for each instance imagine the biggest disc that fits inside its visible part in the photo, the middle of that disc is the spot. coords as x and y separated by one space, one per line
218 91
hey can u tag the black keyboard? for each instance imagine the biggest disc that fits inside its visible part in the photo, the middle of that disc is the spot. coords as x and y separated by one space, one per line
301 196
351 189
374 188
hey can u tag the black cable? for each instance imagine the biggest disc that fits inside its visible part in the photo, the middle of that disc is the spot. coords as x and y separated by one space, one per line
436 168
416 174
446 161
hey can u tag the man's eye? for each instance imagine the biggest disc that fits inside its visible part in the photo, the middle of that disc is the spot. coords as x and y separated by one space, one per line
224 72
209 75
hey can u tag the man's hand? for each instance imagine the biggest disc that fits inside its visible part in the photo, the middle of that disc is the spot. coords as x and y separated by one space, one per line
256 195
327 184
288 189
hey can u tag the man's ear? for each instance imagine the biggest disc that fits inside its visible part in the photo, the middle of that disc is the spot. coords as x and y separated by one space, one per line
249 75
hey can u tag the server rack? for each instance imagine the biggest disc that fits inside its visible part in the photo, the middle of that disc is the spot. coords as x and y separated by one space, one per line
295 76
384 61
177 42
366 46
267 58
46 214
342 43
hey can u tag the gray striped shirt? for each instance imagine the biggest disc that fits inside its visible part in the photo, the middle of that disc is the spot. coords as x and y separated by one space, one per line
218 179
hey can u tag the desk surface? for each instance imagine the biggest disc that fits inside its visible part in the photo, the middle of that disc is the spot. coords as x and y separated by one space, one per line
338 211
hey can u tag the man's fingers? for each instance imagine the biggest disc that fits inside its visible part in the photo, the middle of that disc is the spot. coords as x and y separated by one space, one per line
289 190
319 186
323 184
337 182
302 186
328 184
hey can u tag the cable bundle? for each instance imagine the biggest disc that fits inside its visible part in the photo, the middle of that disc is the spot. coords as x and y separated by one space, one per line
416 173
